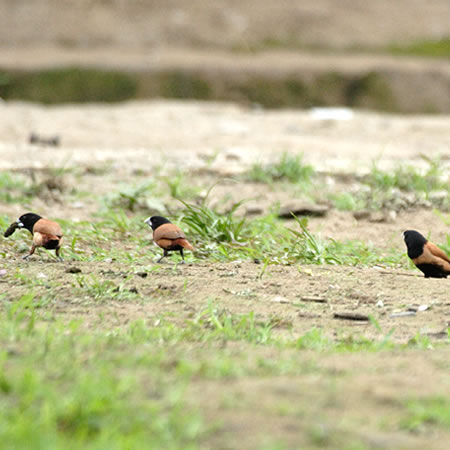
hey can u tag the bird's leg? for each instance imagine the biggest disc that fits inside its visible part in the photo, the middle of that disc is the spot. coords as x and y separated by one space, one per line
33 248
182 255
57 254
163 256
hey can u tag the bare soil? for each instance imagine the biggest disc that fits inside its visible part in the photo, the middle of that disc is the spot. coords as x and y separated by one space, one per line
128 143
340 398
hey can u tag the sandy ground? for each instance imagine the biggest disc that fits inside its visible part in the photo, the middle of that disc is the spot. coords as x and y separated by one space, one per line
185 133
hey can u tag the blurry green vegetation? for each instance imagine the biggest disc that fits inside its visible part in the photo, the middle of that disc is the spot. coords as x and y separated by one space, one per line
67 85
409 179
396 189
68 384
370 91
13 187
437 49
74 84
425 412
184 85
289 168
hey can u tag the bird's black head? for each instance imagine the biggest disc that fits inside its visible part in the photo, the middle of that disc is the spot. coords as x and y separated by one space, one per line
156 221
414 242
27 221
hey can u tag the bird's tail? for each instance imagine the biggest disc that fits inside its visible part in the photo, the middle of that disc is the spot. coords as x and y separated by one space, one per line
186 244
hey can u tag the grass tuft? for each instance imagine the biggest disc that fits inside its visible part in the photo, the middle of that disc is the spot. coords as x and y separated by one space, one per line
289 168
213 226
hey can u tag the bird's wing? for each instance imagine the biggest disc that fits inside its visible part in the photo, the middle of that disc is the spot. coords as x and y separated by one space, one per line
436 251
427 257
168 231
46 226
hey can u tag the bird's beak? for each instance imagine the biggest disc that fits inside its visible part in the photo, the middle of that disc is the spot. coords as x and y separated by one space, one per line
19 223
148 221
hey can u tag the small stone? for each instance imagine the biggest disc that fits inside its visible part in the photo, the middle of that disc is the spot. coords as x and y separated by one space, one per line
254 211
403 314
379 304
280 299
302 209
351 316
391 216
2 272
142 274
378 217
361 215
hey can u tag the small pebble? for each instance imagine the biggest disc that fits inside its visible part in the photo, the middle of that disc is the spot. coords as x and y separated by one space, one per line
403 314
279 299
142 274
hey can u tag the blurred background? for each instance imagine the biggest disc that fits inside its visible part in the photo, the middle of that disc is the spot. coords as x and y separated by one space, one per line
381 55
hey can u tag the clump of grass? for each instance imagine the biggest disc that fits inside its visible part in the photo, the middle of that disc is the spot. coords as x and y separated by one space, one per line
310 248
403 187
117 221
289 168
13 188
408 178
130 198
213 226
179 187
346 201
227 237
234 327
100 289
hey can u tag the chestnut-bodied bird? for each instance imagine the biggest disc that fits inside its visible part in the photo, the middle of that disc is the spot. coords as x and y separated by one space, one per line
46 233
168 236
427 257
